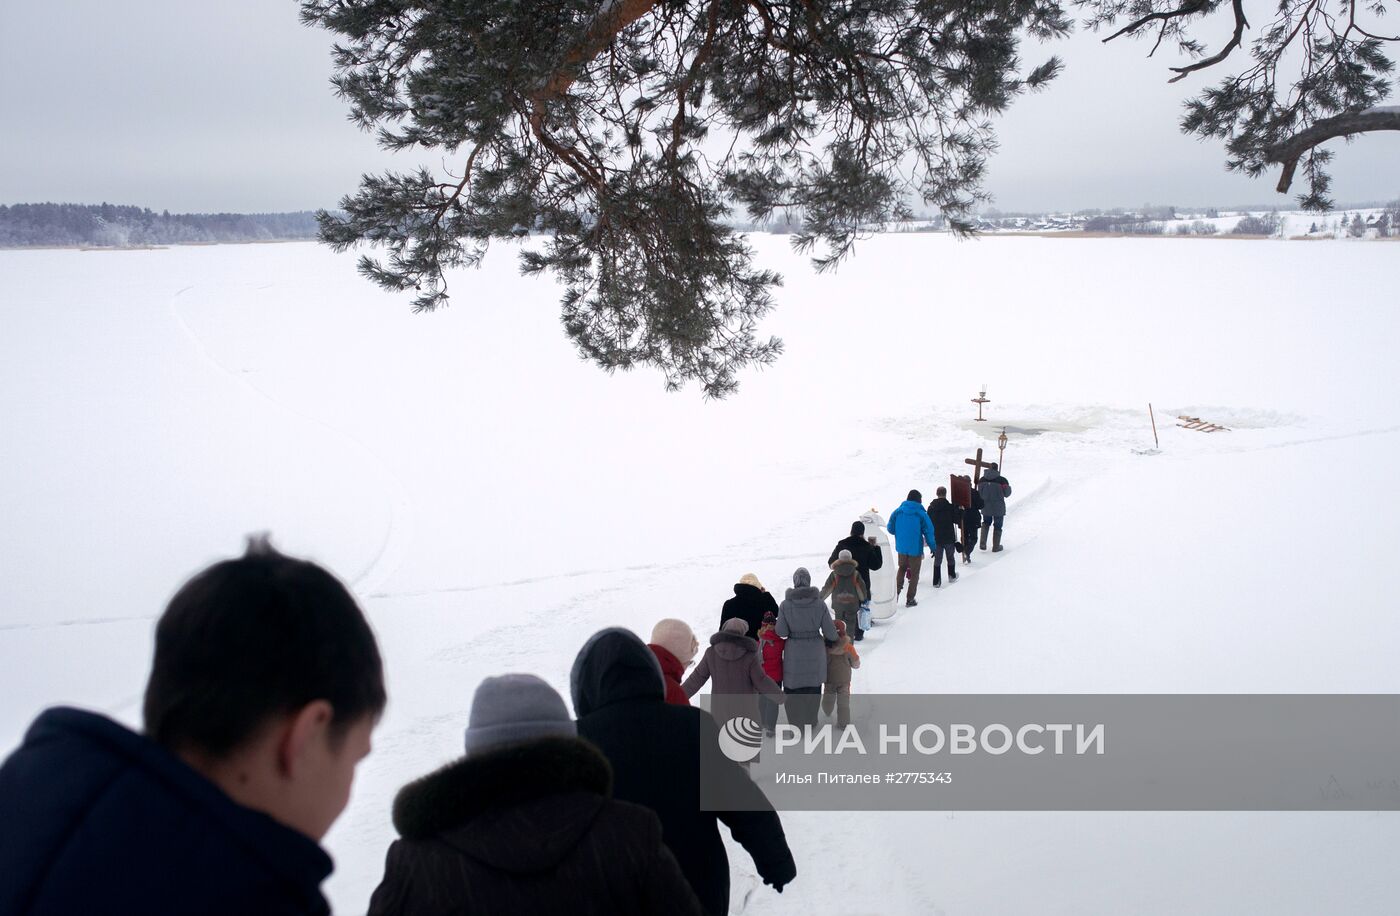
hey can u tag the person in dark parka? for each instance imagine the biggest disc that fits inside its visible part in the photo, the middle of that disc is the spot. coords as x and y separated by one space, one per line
944 516
95 818
750 602
971 524
994 489
524 823
265 686
867 555
655 750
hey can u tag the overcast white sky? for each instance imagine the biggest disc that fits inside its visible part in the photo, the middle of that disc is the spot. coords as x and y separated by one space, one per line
193 105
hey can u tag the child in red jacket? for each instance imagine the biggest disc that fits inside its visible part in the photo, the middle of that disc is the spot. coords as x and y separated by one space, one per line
771 645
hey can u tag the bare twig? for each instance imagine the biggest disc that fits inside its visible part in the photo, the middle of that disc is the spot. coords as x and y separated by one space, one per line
1186 9
1241 23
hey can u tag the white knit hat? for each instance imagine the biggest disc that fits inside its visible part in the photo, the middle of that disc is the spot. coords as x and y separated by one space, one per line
676 637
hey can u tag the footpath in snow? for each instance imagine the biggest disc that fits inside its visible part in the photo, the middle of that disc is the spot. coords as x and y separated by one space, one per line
495 501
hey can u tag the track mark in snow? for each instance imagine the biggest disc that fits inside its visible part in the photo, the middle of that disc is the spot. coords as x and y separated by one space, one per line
711 560
84 622
1359 434
394 545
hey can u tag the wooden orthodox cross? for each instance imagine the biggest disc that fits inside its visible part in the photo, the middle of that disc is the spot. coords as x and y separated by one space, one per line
979 464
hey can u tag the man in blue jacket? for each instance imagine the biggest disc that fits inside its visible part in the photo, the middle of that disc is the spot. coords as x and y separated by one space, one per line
264 688
911 527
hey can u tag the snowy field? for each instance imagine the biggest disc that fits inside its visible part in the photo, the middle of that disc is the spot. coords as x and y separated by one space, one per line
493 501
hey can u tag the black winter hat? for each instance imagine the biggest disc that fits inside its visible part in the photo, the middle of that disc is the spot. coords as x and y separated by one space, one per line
857 529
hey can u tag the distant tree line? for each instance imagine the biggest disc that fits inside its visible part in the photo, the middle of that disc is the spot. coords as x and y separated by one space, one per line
1263 224
109 225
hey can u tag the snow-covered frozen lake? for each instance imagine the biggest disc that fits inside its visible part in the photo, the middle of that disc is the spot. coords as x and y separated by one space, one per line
494 500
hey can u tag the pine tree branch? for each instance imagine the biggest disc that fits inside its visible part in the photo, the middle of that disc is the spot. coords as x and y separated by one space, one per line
1289 151
1186 9
1241 23
615 16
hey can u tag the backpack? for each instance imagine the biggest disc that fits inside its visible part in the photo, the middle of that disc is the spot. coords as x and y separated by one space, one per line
845 593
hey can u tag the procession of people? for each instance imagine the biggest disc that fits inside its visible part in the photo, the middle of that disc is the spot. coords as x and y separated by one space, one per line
267 682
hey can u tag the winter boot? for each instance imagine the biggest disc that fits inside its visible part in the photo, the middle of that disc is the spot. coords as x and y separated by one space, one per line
996 541
985 526
937 577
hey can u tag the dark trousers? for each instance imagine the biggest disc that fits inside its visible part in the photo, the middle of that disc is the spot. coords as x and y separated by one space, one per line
938 553
969 533
768 713
801 704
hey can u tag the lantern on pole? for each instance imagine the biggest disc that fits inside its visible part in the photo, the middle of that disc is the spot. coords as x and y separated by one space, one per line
1001 449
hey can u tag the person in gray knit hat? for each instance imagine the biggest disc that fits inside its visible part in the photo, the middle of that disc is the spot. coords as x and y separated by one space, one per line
526 823
805 622
513 708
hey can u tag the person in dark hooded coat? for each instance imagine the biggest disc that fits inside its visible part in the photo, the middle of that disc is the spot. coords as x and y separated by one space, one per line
865 551
750 602
655 750
524 823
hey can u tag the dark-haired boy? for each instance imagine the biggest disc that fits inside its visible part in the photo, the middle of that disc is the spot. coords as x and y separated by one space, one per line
265 686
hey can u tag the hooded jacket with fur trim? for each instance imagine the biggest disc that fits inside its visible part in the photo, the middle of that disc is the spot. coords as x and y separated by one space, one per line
733 663
804 621
530 828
